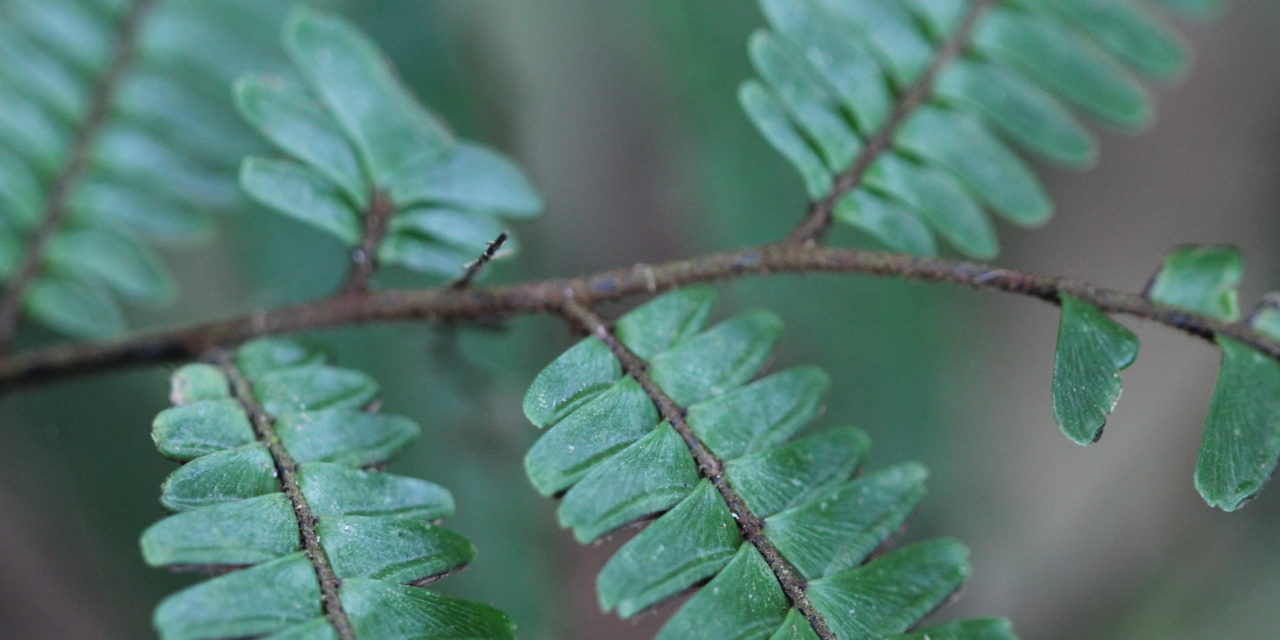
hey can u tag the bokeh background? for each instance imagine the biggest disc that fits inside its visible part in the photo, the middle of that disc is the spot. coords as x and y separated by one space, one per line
626 117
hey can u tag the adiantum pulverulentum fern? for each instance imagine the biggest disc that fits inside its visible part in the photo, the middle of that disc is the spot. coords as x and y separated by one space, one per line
278 488
615 461
358 141
156 165
1241 442
831 71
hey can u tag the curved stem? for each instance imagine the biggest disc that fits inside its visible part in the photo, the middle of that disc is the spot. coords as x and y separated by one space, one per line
55 209
548 296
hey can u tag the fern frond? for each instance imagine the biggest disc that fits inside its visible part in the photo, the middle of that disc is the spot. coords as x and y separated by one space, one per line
1241 443
659 419
276 488
112 139
896 114
364 153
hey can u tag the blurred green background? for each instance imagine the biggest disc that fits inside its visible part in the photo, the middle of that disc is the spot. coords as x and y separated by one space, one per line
626 117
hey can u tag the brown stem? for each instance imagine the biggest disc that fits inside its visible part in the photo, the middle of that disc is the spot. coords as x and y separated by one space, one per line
55 209
546 296
364 258
815 225
476 266
287 474
750 526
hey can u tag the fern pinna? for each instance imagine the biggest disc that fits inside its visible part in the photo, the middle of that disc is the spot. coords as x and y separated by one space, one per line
658 418
279 487
117 134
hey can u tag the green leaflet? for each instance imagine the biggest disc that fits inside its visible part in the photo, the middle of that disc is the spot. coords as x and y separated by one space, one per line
362 143
1241 440
618 463
376 530
1200 279
1092 349
158 163
831 72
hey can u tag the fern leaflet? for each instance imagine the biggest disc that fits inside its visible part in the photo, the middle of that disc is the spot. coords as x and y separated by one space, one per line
658 418
275 488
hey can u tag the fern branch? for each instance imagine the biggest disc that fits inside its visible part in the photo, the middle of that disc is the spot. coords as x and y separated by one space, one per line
55 210
287 474
815 225
364 258
711 467
548 296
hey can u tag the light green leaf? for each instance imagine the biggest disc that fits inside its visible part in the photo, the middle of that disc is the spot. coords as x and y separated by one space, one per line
718 359
200 428
846 63
1092 349
149 215
196 382
1125 30
939 200
742 602
299 126
258 357
232 533
337 490
647 477
312 388
1200 279
468 176
904 49
115 260
351 76
416 253
392 549
795 627
783 477
691 542
767 114
589 435
382 610
467 231
251 602
657 325
302 194
890 594
583 372
838 530
345 436
1063 63
1241 441
1018 108
74 307
959 143
760 415
805 99
220 477
894 226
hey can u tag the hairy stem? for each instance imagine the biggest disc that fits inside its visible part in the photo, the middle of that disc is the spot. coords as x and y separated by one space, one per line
475 267
750 526
547 296
364 258
55 209
815 225
287 474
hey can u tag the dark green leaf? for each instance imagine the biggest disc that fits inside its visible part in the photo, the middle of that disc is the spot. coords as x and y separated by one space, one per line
1092 349
742 602
302 194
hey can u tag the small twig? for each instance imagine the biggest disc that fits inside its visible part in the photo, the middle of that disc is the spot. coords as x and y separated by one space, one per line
546 296
474 267
55 209
816 223
364 258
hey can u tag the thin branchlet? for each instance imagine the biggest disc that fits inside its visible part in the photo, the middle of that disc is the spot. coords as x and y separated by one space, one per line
475 267
286 469
545 296
750 526
364 258
56 204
